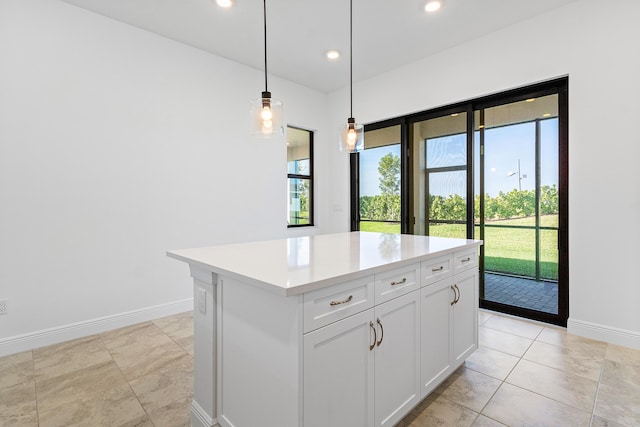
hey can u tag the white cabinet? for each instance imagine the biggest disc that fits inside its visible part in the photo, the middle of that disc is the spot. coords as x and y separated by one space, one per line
397 358
354 336
465 315
339 373
436 326
364 370
449 329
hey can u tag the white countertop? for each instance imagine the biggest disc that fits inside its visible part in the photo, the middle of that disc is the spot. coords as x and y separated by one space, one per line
300 264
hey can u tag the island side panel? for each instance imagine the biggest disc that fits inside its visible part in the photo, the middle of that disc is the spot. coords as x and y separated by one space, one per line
260 356
203 405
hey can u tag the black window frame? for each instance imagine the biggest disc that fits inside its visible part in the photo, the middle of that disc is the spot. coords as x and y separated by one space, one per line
559 86
308 177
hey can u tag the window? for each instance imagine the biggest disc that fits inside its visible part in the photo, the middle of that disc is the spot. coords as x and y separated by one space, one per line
492 168
299 177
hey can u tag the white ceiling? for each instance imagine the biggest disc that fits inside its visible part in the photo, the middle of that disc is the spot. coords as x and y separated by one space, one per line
387 33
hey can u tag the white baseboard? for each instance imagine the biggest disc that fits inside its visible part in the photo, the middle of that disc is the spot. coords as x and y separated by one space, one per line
29 341
608 334
199 417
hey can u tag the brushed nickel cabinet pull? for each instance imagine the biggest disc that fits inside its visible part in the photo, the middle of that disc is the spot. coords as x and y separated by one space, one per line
438 269
466 259
404 280
341 302
371 346
381 332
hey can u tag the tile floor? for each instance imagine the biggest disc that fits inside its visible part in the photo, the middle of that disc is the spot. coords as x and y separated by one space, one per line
521 292
523 374
139 376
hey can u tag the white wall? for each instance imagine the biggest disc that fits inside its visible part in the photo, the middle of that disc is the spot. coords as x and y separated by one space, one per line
116 145
594 44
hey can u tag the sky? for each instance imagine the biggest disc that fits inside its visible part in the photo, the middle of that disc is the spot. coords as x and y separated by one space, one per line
504 146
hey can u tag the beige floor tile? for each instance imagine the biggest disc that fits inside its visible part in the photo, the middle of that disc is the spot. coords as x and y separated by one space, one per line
22 420
186 344
76 385
514 326
161 387
577 360
626 356
470 388
514 406
70 356
113 407
491 362
621 376
601 422
559 336
502 341
618 405
178 326
135 338
567 388
18 400
175 414
483 421
67 346
143 421
15 359
16 373
137 360
483 316
437 410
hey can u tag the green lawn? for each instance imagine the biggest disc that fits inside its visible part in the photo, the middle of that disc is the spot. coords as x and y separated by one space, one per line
507 250
380 227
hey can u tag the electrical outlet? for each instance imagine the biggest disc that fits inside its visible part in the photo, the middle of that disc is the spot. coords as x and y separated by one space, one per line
3 306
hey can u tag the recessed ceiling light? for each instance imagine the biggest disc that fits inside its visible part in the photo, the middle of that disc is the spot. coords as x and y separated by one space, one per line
530 100
432 6
333 54
454 115
224 3
546 115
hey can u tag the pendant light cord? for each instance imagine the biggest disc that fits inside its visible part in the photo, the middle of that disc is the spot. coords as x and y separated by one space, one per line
350 54
266 89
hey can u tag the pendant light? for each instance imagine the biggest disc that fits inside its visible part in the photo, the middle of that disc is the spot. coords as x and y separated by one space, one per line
352 134
266 112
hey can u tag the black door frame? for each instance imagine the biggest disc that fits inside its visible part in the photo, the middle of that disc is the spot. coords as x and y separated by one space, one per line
557 86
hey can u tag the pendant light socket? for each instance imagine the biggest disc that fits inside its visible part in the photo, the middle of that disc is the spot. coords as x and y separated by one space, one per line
265 112
352 134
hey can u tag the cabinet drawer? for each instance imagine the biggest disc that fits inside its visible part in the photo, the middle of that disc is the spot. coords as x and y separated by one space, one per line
436 269
393 283
465 260
337 302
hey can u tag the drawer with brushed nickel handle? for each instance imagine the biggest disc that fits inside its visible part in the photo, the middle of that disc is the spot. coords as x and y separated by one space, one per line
328 305
436 269
465 260
399 281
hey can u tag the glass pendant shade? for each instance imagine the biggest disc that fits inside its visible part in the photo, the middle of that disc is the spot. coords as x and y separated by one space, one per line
352 137
266 117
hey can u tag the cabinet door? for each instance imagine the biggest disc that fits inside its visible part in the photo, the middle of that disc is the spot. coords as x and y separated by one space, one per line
339 373
465 316
397 358
436 324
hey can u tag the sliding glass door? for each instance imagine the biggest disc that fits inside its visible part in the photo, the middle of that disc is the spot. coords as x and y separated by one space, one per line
517 215
439 175
494 169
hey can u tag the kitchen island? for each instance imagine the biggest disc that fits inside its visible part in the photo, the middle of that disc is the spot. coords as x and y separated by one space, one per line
347 329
